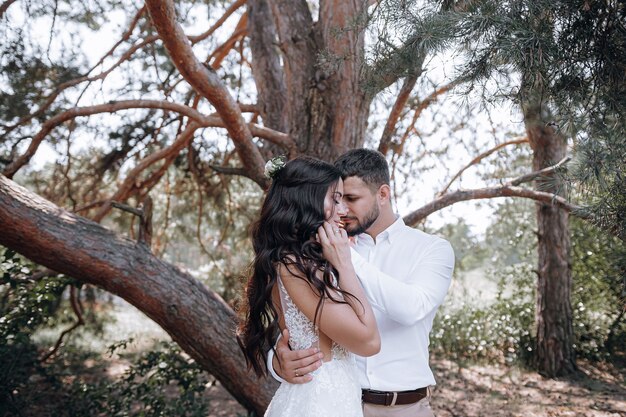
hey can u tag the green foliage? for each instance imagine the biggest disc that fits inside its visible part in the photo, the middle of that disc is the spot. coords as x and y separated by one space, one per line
403 33
570 58
598 291
468 251
161 382
501 331
600 169
560 61
20 73
24 307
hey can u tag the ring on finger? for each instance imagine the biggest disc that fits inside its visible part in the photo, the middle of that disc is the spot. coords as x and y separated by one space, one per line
297 372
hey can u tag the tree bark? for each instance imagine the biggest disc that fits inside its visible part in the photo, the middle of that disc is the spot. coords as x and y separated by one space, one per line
555 354
326 107
269 76
339 106
194 316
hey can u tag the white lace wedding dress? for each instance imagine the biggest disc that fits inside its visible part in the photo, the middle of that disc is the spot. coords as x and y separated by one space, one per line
335 389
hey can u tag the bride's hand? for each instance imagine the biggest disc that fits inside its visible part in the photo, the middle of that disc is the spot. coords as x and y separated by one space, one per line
335 245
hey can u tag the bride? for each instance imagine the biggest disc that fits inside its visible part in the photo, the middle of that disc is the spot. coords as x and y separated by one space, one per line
303 280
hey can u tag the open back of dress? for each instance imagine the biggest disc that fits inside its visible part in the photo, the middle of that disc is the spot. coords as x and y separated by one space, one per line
335 390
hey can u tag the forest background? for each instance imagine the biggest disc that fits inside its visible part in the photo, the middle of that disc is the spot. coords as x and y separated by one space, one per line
133 139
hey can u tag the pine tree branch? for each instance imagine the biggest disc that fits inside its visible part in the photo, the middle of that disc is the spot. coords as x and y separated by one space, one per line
68 84
125 207
222 51
230 171
482 156
123 58
278 138
125 36
510 189
131 184
449 199
394 114
198 319
144 212
208 84
419 108
231 9
548 170
407 60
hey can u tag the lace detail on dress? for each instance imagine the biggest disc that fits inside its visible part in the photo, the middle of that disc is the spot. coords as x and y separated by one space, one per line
334 391
339 352
302 332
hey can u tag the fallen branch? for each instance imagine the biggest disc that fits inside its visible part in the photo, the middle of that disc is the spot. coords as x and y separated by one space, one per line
197 318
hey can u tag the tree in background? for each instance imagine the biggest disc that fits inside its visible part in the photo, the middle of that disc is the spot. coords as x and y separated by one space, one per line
568 56
563 64
162 100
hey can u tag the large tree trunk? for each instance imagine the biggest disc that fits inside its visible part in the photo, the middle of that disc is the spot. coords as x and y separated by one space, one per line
338 105
195 317
555 352
269 76
326 109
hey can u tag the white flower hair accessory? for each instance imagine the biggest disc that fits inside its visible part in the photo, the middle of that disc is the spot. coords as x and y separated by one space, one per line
274 165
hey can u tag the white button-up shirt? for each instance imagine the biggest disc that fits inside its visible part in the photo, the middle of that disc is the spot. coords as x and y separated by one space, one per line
406 274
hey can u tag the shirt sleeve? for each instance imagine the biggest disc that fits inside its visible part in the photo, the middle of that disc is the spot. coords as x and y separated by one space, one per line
270 364
409 302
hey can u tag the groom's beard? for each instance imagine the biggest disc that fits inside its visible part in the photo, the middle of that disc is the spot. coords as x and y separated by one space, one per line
356 226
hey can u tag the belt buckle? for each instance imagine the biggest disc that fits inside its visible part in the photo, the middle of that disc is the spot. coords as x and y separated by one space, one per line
394 396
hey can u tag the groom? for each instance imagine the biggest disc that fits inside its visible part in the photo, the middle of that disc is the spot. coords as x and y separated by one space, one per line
406 274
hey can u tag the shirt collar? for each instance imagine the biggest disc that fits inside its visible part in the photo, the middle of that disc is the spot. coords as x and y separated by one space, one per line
389 233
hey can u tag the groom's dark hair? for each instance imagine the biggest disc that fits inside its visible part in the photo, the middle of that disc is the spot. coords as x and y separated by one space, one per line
367 164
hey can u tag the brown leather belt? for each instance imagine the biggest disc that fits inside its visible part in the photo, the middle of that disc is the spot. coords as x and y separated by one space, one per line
393 398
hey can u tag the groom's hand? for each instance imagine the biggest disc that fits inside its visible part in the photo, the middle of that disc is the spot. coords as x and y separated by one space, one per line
294 366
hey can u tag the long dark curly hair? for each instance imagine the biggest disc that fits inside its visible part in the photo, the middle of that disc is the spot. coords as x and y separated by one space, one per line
284 234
